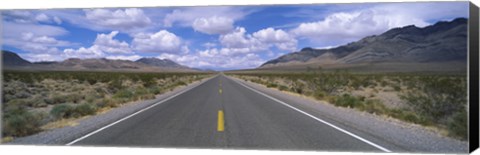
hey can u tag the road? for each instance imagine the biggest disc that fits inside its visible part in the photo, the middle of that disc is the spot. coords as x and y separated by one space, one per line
224 113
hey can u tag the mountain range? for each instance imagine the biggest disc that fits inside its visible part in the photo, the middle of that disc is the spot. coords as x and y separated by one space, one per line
12 60
441 46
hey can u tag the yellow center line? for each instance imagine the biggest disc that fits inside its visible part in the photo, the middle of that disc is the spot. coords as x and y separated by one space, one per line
220 90
221 122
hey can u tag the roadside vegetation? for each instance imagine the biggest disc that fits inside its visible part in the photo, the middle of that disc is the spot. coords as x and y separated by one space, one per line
32 100
434 99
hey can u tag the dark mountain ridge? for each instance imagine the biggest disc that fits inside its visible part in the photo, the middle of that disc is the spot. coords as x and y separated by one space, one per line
441 42
160 62
12 60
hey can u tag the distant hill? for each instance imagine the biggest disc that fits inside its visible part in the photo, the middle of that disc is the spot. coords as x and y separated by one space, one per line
441 43
12 61
160 63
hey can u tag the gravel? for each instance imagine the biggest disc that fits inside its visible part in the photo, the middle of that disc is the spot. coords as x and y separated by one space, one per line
62 136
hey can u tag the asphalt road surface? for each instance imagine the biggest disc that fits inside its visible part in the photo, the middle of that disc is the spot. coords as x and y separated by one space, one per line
223 113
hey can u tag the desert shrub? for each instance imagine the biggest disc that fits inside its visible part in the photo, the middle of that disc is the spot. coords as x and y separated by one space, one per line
458 125
347 100
38 102
180 83
68 111
397 88
62 111
373 106
74 97
123 94
319 95
408 115
271 85
18 102
115 85
19 122
155 90
85 109
58 99
92 81
282 88
438 98
22 94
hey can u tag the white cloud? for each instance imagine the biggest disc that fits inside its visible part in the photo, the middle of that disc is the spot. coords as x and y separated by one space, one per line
109 45
160 42
280 38
27 17
11 29
104 45
84 53
57 20
209 45
42 17
341 26
186 16
36 57
124 57
239 39
214 59
125 20
37 40
213 25
30 42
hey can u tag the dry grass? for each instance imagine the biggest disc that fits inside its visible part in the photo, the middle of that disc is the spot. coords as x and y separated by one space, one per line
61 123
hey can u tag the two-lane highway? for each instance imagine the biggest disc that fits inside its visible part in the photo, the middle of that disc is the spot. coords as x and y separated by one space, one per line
223 113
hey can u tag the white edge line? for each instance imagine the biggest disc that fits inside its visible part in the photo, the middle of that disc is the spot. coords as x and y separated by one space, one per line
131 115
318 119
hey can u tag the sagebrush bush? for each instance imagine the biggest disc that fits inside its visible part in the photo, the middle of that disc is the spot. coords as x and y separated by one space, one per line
85 109
17 122
458 125
62 111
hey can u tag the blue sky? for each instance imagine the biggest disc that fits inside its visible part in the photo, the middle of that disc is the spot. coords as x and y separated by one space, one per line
216 37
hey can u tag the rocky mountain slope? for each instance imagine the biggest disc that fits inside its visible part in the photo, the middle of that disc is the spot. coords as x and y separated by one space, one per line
160 62
441 42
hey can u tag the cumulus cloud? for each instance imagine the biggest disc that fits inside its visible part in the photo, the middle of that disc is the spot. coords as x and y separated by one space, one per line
107 44
84 53
11 29
162 41
262 40
186 16
33 43
213 25
124 57
125 20
280 38
48 56
239 39
31 17
104 45
213 58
